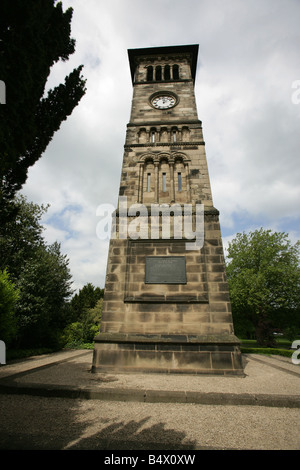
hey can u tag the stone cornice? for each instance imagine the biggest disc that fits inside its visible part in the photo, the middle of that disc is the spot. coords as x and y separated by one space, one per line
208 211
164 123
171 339
174 145
183 80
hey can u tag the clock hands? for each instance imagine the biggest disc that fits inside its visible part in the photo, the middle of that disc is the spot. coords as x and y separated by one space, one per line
163 102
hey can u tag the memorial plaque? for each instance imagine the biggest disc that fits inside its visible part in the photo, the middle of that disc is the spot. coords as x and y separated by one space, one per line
165 270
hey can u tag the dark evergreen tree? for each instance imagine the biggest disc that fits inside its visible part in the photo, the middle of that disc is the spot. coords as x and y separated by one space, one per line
34 35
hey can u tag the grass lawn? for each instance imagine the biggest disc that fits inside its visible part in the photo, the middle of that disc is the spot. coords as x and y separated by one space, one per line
282 348
248 346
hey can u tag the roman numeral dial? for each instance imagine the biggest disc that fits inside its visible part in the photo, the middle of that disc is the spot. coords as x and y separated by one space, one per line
163 101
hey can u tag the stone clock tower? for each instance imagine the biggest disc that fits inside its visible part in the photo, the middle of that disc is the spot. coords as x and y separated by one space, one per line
166 306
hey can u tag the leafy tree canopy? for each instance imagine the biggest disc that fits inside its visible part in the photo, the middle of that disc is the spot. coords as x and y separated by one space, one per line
21 235
40 274
45 287
9 295
264 281
85 299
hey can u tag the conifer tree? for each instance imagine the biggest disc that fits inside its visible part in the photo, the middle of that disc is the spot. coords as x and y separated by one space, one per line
34 35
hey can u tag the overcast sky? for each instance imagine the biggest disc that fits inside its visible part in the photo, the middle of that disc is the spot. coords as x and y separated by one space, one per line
248 63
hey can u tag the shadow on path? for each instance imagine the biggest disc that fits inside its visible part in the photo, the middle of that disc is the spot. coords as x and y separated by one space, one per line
39 423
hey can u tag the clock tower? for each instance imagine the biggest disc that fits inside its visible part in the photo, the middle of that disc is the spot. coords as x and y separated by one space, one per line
166 306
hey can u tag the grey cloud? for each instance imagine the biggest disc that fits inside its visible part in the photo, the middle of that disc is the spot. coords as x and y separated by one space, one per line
248 58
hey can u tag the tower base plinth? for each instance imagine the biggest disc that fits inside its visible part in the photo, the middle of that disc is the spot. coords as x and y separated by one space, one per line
185 354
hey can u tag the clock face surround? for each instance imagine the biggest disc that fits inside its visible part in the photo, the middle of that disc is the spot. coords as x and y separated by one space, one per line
163 100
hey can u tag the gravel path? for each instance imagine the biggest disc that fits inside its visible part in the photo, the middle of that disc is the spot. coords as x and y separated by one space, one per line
61 423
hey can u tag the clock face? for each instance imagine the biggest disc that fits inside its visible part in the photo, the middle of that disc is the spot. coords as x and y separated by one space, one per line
163 101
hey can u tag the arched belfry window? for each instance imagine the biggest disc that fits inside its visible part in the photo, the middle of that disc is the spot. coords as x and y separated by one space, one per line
158 75
149 73
175 72
167 73
162 72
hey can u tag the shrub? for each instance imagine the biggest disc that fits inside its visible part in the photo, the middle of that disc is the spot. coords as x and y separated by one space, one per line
8 299
79 333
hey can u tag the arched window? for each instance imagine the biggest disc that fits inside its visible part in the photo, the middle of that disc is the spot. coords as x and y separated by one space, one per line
164 182
179 182
185 134
142 136
148 182
175 72
167 74
158 72
164 134
179 178
174 134
152 135
149 73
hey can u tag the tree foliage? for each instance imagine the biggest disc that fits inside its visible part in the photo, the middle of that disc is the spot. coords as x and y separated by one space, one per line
85 330
45 287
85 310
35 281
85 299
34 35
41 275
36 307
22 235
264 281
9 295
